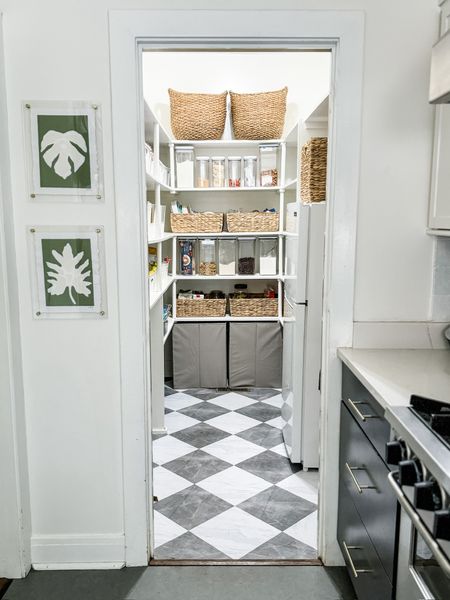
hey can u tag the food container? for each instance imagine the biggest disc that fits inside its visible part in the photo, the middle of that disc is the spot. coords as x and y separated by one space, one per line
187 257
250 171
246 263
234 171
268 161
202 172
227 256
268 250
184 161
208 265
218 171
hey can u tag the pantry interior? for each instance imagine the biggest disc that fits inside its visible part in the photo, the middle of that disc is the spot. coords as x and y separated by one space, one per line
222 216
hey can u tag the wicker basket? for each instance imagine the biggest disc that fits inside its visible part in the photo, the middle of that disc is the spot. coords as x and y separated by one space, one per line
197 116
253 221
313 170
197 223
254 306
214 307
258 116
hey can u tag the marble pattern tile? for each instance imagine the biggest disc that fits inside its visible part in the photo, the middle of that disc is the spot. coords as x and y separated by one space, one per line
263 435
204 393
191 546
166 483
305 530
165 529
175 421
232 401
269 466
280 449
197 465
200 435
281 547
259 393
276 422
303 484
234 485
168 448
260 411
233 422
233 449
179 400
276 401
203 411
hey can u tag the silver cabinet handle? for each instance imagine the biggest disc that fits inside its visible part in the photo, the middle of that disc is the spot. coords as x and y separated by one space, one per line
354 404
440 557
355 571
358 486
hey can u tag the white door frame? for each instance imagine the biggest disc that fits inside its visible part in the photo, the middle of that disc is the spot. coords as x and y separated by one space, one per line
343 32
15 521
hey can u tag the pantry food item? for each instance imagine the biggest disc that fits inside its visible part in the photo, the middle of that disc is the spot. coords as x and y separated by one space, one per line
234 171
268 256
202 177
152 261
207 264
258 116
227 256
246 263
197 116
250 171
268 165
184 160
186 257
218 171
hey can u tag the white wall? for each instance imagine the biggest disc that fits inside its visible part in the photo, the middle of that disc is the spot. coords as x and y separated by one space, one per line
59 51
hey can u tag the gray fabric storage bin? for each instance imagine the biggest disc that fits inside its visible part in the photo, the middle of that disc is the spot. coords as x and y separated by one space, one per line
255 355
199 355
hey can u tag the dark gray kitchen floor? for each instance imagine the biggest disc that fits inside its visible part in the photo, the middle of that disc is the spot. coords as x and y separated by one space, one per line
188 583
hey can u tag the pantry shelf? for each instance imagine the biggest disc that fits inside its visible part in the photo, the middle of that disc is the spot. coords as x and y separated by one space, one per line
157 295
225 319
228 234
151 182
228 277
289 184
162 238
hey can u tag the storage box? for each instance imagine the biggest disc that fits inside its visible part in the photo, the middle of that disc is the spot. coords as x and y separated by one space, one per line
313 170
197 223
253 306
242 221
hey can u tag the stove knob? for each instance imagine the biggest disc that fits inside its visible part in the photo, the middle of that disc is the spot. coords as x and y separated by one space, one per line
394 452
427 496
441 525
408 472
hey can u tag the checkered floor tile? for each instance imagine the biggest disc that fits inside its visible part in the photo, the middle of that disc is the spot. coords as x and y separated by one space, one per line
225 487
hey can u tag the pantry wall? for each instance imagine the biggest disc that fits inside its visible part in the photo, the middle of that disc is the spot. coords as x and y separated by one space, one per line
203 432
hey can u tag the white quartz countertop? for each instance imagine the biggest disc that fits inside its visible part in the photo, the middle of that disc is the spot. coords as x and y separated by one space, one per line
391 376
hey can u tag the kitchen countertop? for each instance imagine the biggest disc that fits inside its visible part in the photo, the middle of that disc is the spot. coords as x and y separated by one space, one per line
391 376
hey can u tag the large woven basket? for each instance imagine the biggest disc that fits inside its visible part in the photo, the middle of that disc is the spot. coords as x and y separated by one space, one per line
214 307
253 307
252 221
258 116
313 170
197 116
197 223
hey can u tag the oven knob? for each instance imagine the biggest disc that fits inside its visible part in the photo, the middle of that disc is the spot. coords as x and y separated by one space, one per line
441 525
427 495
408 472
394 452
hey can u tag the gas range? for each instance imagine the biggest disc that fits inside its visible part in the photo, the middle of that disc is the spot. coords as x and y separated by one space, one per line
434 414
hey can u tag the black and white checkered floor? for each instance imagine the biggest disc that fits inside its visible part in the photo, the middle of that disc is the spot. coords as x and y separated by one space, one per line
225 486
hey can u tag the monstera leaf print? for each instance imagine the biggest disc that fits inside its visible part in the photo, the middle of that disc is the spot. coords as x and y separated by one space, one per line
68 273
61 151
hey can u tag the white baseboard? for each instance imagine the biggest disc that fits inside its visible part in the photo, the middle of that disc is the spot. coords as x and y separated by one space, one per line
415 335
97 551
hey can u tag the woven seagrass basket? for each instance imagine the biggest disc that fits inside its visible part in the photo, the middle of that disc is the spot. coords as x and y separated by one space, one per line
253 307
258 116
252 221
197 116
197 223
214 307
313 170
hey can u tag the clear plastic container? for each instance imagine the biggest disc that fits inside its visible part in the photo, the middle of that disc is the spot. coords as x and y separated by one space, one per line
218 171
208 265
234 171
202 172
268 162
227 256
246 263
184 161
268 251
187 257
250 171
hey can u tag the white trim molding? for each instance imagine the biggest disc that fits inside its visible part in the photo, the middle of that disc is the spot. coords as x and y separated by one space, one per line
342 32
99 551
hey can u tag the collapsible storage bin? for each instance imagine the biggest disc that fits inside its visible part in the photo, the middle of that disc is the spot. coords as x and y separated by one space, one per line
207 222
258 116
197 116
199 355
313 170
252 221
255 353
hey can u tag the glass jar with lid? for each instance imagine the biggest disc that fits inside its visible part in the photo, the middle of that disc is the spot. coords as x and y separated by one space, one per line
234 171
202 173
208 265
227 256
184 166
218 171
268 251
268 161
250 171
246 262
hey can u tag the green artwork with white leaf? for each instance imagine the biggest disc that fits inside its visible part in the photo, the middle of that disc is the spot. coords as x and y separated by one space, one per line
64 157
68 272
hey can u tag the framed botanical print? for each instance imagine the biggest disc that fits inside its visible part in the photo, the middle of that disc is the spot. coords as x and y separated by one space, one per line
68 271
64 150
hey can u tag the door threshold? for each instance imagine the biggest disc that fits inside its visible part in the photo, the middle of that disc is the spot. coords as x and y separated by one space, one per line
175 562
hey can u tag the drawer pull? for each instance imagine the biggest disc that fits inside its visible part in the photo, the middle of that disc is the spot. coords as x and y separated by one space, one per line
354 404
359 487
354 570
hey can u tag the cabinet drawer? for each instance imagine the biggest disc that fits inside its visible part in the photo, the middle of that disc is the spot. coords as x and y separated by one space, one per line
364 476
366 571
366 410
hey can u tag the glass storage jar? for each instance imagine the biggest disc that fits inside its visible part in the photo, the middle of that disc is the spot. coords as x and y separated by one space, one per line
187 257
202 176
250 171
234 171
268 155
268 256
218 171
246 263
208 265
184 161
227 256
